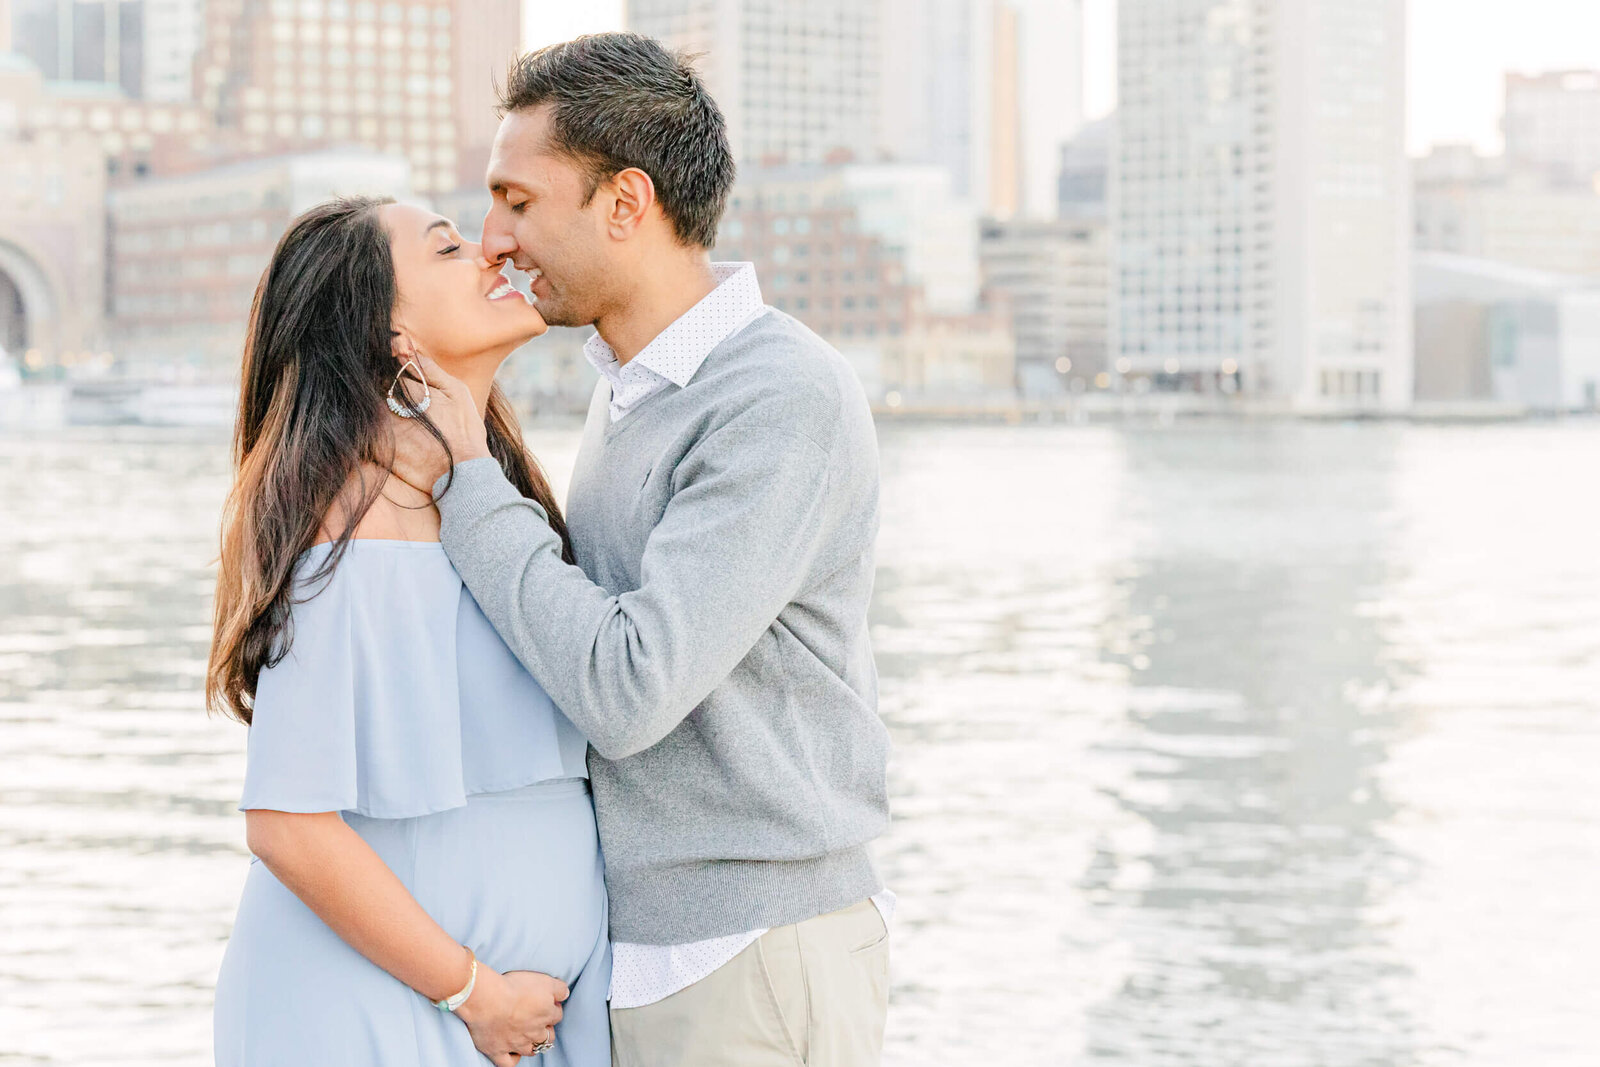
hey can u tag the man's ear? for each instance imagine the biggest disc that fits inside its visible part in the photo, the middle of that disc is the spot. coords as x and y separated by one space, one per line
635 194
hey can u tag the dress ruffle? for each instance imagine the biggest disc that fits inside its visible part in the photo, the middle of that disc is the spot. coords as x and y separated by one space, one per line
365 712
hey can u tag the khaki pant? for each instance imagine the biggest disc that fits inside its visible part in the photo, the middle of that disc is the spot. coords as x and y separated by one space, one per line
809 995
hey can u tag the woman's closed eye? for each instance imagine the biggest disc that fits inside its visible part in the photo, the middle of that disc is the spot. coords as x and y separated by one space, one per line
452 250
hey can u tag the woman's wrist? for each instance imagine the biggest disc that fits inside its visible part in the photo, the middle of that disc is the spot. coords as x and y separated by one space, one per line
485 991
468 974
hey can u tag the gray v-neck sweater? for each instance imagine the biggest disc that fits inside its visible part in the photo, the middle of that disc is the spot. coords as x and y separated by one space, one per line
712 641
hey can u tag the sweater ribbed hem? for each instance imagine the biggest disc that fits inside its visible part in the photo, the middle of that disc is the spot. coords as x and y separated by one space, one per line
690 902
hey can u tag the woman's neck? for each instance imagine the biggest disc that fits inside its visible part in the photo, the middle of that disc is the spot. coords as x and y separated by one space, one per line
477 374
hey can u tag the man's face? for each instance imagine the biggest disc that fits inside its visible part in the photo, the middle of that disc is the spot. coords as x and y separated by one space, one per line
539 222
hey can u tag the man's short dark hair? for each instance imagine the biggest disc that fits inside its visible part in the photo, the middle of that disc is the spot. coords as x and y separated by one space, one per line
622 100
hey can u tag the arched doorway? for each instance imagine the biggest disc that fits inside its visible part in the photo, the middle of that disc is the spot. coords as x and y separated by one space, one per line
13 318
29 304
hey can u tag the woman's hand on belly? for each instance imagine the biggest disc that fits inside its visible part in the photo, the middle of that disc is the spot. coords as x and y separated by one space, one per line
510 1014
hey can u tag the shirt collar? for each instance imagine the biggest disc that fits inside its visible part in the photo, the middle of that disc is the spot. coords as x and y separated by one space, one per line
732 304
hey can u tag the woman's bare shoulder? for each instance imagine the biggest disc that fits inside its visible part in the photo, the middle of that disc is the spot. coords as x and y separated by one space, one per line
397 512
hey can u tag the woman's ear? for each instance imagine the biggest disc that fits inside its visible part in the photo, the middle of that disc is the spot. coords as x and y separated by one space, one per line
401 346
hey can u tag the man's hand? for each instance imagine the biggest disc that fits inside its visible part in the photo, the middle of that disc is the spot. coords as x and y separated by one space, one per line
418 459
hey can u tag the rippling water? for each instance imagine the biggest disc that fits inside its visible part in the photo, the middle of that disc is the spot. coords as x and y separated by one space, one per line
1267 745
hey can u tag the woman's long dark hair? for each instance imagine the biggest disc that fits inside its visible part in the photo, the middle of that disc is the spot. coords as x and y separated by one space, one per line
318 361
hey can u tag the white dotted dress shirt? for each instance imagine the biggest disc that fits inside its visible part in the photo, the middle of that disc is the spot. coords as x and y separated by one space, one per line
677 352
644 974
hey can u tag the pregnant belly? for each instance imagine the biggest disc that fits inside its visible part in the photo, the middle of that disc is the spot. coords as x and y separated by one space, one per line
515 876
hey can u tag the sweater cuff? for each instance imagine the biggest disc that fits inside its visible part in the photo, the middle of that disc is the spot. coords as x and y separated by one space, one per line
479 487
477 482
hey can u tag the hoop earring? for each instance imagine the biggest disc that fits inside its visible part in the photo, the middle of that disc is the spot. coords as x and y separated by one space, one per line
408 410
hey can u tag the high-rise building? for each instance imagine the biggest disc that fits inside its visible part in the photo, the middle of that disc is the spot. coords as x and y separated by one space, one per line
831 251
488 36
798 80
987 89
104 74
171 40
402 77
1054 277
1082 186
83 40
922 224
1552 126
1261 199
1050 86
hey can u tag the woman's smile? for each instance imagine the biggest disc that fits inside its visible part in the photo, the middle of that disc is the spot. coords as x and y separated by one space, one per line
506 290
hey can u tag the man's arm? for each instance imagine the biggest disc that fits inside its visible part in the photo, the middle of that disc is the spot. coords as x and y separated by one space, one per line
731 550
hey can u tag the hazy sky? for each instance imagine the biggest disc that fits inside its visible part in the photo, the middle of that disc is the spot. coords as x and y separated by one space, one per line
1460 50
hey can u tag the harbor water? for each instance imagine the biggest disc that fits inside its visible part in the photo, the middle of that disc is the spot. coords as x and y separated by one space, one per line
1219 743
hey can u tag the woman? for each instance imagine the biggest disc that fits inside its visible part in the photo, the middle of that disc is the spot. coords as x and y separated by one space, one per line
426 883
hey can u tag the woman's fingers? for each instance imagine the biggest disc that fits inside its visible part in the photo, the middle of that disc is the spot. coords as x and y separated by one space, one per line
544 994
436 376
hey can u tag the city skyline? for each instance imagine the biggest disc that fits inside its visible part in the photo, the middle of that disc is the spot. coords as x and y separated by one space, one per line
1457 64
1261 200
916 184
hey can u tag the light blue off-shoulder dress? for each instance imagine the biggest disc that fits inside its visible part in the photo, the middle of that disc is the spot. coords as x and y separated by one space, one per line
400 707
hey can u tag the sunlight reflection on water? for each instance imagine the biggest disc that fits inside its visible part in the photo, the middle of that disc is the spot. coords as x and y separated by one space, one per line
1267 744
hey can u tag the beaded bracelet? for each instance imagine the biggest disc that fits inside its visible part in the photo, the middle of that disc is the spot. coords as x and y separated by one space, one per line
452 1003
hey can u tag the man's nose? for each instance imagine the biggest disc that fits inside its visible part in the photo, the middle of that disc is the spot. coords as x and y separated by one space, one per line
498 243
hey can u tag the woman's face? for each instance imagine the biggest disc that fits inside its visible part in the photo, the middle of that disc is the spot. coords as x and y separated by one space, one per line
453 304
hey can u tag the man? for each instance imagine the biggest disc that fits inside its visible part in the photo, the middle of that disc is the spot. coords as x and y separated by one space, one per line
712 641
